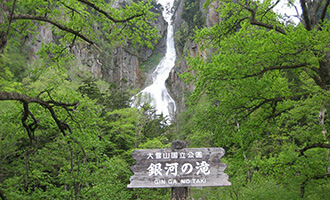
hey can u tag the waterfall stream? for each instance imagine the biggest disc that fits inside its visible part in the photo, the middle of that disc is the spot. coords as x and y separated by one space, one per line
156 94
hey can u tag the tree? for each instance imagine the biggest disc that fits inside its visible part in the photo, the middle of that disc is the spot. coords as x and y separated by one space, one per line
266 85
76 18
91 161
73 22
52 138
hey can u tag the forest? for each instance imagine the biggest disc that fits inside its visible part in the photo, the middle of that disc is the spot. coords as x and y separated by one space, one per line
255 83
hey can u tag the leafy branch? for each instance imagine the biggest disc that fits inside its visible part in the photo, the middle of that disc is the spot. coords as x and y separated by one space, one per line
311 146
45 18
276 68
253 20
272 101
303 184
55 23
49 105
109 16
264 70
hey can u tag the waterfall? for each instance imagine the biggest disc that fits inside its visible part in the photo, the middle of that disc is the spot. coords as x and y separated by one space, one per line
156 94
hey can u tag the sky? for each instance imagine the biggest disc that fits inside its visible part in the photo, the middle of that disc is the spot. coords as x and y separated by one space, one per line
285 10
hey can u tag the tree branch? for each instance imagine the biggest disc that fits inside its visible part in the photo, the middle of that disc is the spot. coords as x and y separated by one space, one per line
11 17
253 21
305 15
107 15
26 100
324 11
50 21
278 113
263 71
276 68
25 116
269 26
61 26
270 8
4 34
296 9
235 25
70 8
311 146
303 184
275 100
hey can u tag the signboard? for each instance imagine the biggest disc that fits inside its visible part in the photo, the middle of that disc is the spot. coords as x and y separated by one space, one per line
187 167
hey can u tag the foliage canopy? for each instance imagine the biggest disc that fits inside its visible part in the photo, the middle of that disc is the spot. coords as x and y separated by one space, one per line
265 91
62 137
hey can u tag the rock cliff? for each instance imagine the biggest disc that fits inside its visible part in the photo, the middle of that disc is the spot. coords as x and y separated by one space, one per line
123 64
120 64
185 46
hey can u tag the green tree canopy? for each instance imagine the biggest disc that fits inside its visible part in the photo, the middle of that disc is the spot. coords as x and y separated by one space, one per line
266 88
74 21
78 19
62 137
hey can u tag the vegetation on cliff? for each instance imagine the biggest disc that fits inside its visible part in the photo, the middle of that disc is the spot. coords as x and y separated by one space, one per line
263 95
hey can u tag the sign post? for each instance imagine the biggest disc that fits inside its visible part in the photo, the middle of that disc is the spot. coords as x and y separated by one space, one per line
179 193
178 168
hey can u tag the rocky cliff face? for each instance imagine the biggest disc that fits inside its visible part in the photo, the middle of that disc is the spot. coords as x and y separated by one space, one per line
118 64
124 66
178 88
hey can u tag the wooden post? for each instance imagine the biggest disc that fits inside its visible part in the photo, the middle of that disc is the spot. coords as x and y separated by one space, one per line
179 193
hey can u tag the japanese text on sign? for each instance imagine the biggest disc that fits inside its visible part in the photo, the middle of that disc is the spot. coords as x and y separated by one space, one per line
174 155
172 169
186 167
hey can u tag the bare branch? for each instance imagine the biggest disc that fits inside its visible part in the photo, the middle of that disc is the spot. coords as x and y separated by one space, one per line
270 8
296 9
